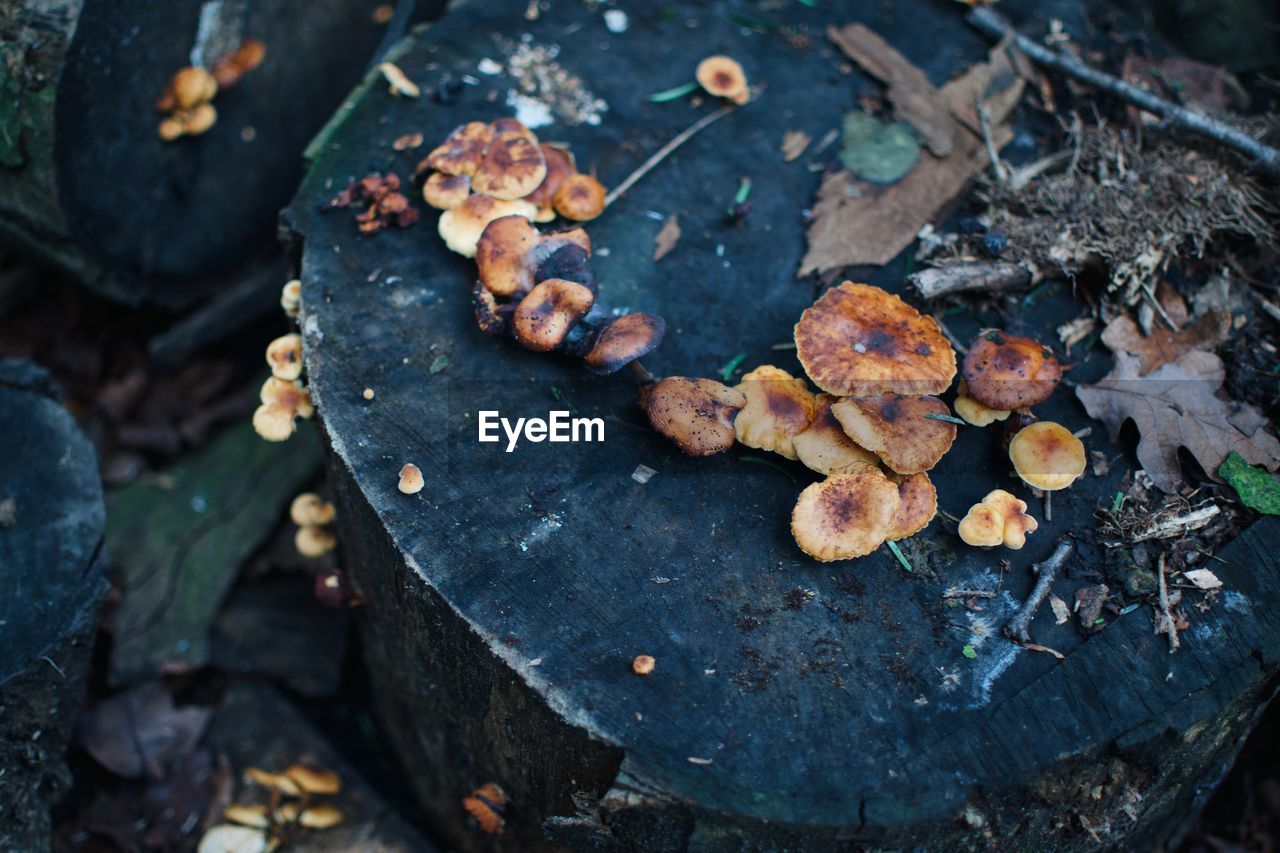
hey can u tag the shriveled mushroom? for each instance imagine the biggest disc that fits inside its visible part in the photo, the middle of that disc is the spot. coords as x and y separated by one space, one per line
896 428
309 510
462 226
462 152
546 315
779 407
917 505
723 77
846 515
512 167
282 403
284 356
580 198
862 341
626 339
998 519
974 412
1047 455
824 446
696 414
1004 371
490 317
444 191
510 252
560 165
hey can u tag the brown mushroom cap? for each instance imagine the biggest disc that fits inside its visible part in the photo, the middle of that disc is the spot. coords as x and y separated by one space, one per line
462 152
580 198
974 412
696 414
860 340
445 192
779 407
1006 372
462 226
723 77
999 519
824 446
284 356
552 308
512 167
283 401
192 86
917 505
560 165
895 428
1046 455
510 251
846 515
627 338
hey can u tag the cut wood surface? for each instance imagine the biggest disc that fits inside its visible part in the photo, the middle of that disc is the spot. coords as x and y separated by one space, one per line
54 575
793 703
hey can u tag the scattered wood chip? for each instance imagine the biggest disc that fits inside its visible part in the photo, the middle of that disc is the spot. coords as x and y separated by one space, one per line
398 83
1061 612
1203 579
643 474
700 761
408 142
794 142
1075 331
667 238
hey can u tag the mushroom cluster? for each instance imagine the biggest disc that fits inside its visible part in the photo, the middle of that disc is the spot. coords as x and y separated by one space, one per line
187 99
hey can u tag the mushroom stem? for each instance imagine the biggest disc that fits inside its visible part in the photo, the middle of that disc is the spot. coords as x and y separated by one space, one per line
665 151
1019 626
640 373
1048 506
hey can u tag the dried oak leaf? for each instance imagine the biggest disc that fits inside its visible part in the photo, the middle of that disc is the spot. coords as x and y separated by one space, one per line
1162 345
1177 407
667 238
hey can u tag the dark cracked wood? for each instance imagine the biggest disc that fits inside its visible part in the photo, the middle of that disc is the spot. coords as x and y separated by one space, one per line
54 574
794 703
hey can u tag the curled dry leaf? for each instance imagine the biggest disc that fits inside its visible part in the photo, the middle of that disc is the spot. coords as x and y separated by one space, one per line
1162 345
1176 407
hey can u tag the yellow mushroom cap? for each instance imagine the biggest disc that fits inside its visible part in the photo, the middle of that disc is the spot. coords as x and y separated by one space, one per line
917 505
445 192
896 429
824 446
312 541
323 816
314 780
846 515
1005 372
859 340
284 356
779 407
192 86
696 414
546 315
723 77
999 519
1046 455
309 508
579 197
982 526
973 412
462 226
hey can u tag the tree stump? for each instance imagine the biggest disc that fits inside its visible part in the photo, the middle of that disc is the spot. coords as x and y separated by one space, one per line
86 182
51 525
794 704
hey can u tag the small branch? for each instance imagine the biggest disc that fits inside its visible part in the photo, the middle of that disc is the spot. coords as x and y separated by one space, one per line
971 275
665 151
1166 624
984 122
1265 157
1019 627
968 593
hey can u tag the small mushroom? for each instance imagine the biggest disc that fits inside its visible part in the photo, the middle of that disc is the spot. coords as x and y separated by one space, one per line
323 816
192 86
512 168
580 198
917 505
824 446
696 414
510 252
309 509
486 804
779 407
199 119
291 298
627 338
255 816
547 314
411 480
1004 371
282 403
462 226
998 519
228 838
445 192
896 429
560 166
723 77
643 664
284 356
974 412
461 152
1047 456
314 780
846 515
314 541
859 340
272 781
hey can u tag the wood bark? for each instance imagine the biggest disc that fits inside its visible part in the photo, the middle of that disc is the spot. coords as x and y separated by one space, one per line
794 705
53 570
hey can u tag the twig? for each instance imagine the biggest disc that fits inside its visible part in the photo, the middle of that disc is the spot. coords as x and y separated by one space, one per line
984 122
1019 627
969 593
665 151
992 23
955 342
969 275
1166 625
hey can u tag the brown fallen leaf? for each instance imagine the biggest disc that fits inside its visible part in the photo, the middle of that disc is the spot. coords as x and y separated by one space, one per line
1176 407
140 733
794 142
915 100
667 238
1162 345
1061 613
1089 602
